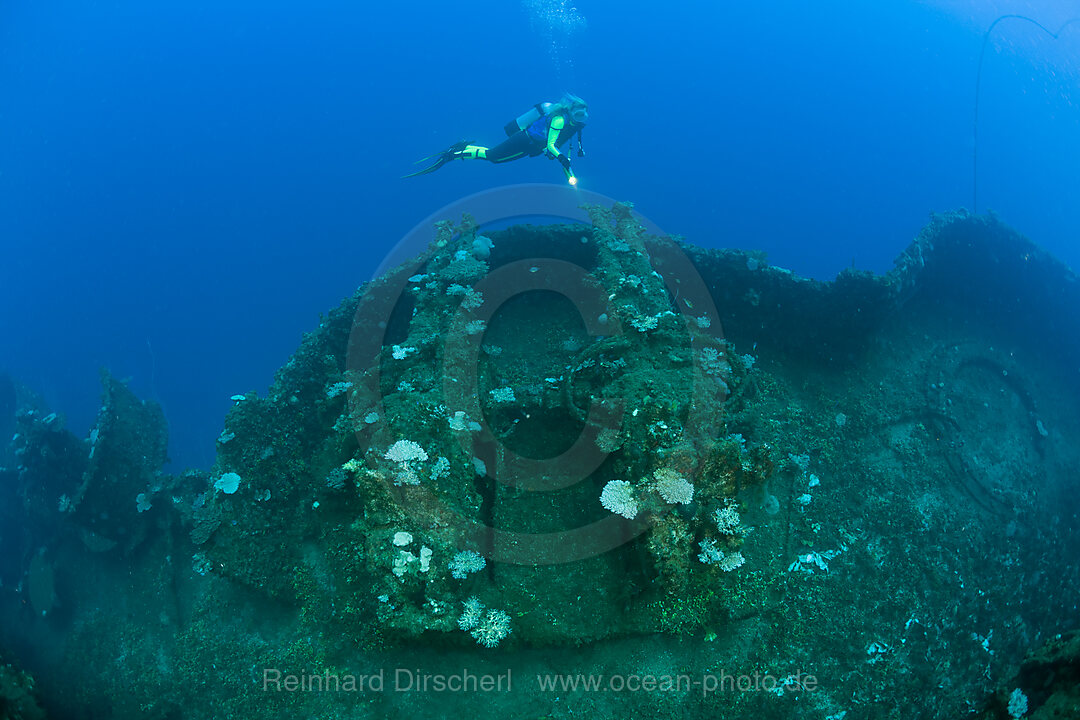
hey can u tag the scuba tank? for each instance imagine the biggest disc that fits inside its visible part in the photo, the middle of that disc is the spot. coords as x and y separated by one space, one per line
527 118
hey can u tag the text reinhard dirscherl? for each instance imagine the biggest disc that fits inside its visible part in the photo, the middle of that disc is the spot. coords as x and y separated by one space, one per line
466 681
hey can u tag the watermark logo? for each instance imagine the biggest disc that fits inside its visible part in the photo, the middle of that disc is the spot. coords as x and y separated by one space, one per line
451 348
467 680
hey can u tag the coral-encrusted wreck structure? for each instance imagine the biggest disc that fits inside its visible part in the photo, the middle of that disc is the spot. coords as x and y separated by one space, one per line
588 449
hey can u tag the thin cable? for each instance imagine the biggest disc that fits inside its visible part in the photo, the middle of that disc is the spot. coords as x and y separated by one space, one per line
978 84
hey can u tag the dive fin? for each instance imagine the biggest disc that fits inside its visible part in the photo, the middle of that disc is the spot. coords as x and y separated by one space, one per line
440 159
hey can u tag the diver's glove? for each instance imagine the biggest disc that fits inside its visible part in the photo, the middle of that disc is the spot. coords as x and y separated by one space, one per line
565 162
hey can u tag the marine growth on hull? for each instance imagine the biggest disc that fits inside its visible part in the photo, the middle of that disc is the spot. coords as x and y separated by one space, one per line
585 449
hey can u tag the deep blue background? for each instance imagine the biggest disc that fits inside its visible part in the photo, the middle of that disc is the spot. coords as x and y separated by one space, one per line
184 189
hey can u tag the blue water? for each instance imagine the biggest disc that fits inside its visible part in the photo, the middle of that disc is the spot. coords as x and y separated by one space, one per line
184 188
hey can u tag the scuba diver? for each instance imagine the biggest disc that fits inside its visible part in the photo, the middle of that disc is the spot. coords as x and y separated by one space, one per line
539 131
